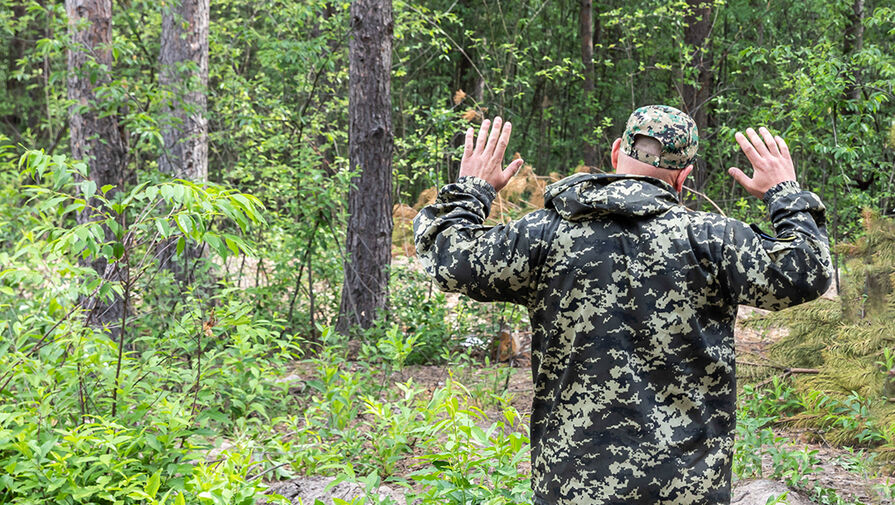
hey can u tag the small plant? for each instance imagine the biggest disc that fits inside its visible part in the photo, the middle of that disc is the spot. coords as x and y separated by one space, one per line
395 428
475 465
421 311
396 347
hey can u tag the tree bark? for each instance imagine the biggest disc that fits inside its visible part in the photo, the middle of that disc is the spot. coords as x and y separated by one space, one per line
696 95
368 239
854 42
15 88
586 33
183 77
96 138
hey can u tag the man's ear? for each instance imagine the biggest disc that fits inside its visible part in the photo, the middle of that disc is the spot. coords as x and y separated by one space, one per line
616 148
681 177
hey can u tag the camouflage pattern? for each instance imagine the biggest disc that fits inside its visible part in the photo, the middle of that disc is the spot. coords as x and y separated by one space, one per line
632 300
675 130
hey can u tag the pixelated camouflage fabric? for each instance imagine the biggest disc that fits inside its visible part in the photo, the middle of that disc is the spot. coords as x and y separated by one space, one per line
632 300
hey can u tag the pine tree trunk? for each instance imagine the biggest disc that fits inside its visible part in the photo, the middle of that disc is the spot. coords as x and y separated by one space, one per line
368 240
15 89
696 96
183 78
854 42
95 138
586 33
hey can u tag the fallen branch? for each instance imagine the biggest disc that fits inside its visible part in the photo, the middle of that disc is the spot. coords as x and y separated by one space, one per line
786 373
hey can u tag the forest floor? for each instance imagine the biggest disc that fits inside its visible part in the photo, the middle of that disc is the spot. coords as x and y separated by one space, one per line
841 469
850 473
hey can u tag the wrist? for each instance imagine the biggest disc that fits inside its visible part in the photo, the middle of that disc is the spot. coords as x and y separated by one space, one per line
780 189
479 183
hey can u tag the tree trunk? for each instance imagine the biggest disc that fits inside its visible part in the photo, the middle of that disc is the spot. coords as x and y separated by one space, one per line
586 33
696 95
854 42
15 89
183 78
96 138
370 144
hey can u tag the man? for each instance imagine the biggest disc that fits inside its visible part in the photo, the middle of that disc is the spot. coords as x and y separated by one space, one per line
632 300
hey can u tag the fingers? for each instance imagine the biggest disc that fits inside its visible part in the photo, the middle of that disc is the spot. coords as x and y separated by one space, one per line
769 141
503 141
492 138
483 134
750 152
514 166
784 149
760 148
510 171
740 177
468 146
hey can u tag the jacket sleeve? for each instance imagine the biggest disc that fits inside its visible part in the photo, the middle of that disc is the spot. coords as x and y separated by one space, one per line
778 272
487 263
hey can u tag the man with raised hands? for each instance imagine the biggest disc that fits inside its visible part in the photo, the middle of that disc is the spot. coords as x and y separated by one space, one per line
632 299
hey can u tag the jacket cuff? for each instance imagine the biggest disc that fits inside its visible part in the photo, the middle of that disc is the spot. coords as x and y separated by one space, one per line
479 187
780 190
469 188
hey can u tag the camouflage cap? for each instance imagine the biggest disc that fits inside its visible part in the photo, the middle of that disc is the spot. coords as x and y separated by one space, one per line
675 131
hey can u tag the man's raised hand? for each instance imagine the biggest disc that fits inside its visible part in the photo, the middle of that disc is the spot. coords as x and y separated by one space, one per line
485 159
770 159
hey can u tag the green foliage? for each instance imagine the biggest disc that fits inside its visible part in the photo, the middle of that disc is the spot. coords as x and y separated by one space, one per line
88 419
850 341
759 452
213 359
475 465
419 311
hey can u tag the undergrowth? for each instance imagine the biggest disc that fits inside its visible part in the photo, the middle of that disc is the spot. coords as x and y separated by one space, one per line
851 344
760 452
200 396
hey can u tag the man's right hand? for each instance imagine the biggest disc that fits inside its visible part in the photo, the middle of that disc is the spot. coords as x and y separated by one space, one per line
770 159
485 159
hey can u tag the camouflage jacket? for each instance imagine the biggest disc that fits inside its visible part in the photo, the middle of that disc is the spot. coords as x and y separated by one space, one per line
632 300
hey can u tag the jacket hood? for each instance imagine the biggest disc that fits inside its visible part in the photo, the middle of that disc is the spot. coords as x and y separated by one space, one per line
585 196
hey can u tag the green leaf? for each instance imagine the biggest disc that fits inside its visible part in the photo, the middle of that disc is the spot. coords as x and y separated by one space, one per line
217 244
163 227
185 224
232 245
89 189
181 245
78 205
153 484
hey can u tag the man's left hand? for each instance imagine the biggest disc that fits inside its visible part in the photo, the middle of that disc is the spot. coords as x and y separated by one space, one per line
485 159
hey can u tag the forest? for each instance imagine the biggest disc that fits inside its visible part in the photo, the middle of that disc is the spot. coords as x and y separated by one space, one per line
209 287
